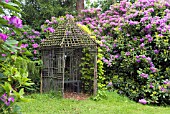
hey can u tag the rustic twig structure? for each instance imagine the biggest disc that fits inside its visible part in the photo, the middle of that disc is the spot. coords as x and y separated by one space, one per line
61 56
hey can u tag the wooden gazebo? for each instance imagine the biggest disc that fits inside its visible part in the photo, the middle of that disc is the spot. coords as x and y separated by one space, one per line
61 56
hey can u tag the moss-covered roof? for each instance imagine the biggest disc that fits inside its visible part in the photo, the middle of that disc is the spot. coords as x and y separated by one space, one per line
68 34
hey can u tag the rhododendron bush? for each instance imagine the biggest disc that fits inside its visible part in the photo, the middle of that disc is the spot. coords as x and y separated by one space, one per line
136 40
13 60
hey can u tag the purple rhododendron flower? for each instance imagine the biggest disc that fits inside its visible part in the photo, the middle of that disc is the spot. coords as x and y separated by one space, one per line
105 60
50 29
47 21
3 36
13 33
3 55
37 33
135 38
24 45
138 60
11 99
117 56
25 32
150 40
127 53
142 40
6 17
156 51
7 1
45 30
151 85
110 84
153 69
149 26
35 45
142 45
137 57
163 89
17 22
144 75
148 59
142 101
55 22
151 64
143 56
35 51
3 97
6 100
166 81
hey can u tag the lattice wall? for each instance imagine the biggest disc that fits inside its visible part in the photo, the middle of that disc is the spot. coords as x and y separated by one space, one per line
61 55
52 73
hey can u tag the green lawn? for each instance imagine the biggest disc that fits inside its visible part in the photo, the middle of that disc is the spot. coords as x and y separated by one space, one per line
115 104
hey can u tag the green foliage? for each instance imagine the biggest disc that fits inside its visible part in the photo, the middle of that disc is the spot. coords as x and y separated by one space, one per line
100 95
13 70
87 71
13 80
35 12
100 71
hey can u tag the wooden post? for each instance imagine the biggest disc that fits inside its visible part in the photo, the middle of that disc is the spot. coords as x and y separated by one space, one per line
41 83
63 59
95 74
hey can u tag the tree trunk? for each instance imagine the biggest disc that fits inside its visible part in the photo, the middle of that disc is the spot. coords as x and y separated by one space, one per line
79 6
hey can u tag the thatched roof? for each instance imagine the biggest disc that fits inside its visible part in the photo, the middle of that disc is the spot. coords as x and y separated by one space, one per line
68 34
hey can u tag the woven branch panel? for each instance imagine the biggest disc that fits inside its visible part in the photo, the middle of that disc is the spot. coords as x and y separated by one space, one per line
68 34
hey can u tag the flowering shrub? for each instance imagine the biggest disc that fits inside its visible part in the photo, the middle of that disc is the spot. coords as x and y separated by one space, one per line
135 38
13 71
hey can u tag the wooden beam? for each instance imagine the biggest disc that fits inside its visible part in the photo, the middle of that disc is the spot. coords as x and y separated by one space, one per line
63 62
95 74
41 83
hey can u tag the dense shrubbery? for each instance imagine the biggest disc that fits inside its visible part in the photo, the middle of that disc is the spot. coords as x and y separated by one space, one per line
136 42
13 60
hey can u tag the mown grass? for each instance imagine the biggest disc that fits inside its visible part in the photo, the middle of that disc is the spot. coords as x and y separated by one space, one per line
115 104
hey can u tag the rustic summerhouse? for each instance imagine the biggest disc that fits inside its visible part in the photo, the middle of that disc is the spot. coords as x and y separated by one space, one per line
61 56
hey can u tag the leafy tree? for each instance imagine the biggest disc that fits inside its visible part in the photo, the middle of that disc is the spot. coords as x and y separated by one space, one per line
35 12
104 4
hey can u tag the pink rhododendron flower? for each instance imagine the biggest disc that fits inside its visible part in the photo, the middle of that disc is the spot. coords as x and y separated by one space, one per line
50 29
166 81
142 101
144 75
17 22
35 51
151 85
35 45
6 17
153 69
24 45
3 55
7 1
3 36
47 21
7 100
